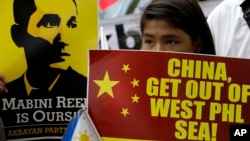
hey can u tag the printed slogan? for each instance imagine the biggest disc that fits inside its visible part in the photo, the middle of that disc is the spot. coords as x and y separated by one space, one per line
46 111
172 96
164 93
41 115
36 131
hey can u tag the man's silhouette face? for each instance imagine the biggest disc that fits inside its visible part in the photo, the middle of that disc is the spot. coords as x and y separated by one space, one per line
50 26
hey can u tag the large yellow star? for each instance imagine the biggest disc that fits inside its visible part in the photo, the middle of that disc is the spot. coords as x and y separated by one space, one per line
124 112
106 85
125 68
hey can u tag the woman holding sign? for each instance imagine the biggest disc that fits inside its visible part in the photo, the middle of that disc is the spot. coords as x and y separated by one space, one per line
176 25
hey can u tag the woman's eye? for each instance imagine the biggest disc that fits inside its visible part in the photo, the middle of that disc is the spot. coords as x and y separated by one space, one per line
148 42
170 42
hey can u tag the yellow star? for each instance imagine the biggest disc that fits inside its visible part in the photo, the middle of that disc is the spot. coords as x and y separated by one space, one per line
125 112
135 83
106 85
125 68
135 98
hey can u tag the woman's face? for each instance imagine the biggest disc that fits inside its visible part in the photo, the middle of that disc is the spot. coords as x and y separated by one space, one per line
161 36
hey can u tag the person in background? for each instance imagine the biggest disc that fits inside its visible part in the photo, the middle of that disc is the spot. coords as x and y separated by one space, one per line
3 81
3 89
176 25
229 27
2 132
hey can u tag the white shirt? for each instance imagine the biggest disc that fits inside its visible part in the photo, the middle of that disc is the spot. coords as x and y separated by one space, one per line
229 29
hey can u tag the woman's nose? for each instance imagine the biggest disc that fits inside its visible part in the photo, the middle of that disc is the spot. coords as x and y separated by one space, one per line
158 47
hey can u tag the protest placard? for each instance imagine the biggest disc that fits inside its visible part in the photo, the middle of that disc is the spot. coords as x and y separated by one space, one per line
143 95
44 48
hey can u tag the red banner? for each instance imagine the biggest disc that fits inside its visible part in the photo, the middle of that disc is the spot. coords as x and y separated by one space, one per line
105 4
167 96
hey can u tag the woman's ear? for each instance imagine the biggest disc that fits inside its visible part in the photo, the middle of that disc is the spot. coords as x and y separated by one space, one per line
198 45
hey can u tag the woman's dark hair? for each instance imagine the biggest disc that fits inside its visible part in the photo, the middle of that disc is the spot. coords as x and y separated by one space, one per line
183 14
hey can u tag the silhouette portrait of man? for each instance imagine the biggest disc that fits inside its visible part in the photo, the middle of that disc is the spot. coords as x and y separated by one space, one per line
41 36
47 94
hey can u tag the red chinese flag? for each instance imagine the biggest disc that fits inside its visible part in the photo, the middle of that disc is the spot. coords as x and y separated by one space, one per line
105 4
166 96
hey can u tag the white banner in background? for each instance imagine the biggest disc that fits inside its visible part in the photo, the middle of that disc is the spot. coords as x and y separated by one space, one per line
123 32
